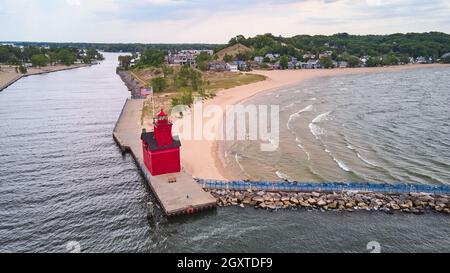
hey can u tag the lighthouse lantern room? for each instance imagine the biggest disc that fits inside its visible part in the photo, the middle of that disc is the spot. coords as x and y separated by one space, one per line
161 151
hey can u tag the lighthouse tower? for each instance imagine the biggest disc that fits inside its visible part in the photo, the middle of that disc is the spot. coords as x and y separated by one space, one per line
161 152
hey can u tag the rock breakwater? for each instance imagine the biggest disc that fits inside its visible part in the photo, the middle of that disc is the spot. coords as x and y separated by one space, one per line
339 201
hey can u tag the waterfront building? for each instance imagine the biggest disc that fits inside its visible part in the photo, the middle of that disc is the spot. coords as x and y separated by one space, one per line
161 151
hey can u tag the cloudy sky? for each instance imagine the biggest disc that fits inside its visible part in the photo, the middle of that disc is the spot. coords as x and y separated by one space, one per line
213 21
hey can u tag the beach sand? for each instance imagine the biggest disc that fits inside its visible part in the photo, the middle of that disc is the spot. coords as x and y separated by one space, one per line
8 74
201 158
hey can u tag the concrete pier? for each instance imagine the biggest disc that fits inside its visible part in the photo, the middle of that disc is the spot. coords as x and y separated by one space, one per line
185 196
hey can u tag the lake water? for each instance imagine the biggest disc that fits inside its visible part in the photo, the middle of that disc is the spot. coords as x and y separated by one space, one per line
63 179
386 127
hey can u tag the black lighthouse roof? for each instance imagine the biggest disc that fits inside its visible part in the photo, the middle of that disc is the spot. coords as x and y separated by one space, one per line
149 139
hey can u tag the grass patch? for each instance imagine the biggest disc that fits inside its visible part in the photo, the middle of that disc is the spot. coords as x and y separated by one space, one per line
225 80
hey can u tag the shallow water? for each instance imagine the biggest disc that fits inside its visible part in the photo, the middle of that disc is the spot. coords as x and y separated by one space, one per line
386 127
63 179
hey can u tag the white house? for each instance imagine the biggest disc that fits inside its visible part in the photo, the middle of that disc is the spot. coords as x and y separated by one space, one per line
233 67
342 64
270 56
313 64
421 60
259 59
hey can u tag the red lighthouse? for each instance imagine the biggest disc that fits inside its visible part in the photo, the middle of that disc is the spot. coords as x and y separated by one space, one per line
161 151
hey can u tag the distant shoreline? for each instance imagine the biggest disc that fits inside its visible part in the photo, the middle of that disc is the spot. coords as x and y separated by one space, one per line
7 78
212 164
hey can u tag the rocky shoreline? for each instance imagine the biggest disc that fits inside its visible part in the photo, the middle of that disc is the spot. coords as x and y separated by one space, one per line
131 83
338 201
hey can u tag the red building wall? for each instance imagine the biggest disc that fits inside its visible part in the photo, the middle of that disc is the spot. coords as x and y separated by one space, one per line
154 159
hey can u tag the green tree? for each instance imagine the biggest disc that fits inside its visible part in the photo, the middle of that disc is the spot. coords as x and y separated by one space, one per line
152 57
203 57
353 61
446 59
391 59
158 84
327 62
23 69
125 61
203 66
67 57
4 54
39 60
185 97
284 60
53 57
188 77
373 62
167 70
227 58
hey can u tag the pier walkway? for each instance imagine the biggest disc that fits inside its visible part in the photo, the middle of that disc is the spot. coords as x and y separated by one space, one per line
185 196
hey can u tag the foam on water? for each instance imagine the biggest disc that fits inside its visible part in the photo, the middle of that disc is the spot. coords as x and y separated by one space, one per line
282 175
366 160
316 130
297 114
321 117
339 163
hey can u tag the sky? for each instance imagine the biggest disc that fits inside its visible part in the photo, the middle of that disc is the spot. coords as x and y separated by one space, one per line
212 21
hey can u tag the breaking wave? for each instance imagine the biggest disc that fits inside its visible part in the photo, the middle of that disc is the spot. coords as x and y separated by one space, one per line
366 160
321 117
316 130
339 163
303 148
282 175
297 114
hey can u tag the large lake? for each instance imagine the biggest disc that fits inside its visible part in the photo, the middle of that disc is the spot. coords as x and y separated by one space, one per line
63 179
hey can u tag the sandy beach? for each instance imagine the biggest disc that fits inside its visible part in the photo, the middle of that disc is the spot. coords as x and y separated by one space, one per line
201 157
8 74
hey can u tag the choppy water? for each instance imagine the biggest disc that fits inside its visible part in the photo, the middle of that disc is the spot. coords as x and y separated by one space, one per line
63 179
387 127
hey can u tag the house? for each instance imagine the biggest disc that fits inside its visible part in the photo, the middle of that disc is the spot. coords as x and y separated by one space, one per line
232 67
446 55
218 66
313 64
270 56
342 64
308 56
335 64
292 65
326 54
259 59
363 60
241 65
302 65
274 66
421 60
294 60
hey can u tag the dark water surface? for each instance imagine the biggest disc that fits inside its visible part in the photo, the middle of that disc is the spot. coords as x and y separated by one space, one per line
63 179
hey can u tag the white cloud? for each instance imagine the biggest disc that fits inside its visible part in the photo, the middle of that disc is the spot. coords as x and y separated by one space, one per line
73 2
202 21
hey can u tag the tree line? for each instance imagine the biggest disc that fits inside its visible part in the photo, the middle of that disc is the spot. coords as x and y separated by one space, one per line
42 56
400 46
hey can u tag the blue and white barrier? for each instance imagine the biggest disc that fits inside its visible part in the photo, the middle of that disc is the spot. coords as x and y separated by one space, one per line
327 187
